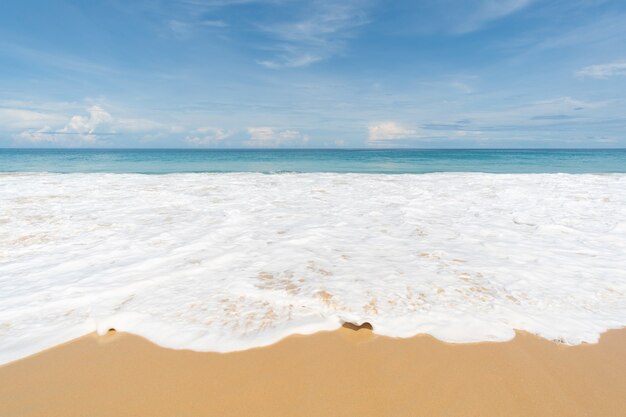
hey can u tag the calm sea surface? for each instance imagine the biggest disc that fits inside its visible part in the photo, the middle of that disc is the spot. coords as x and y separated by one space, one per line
162 161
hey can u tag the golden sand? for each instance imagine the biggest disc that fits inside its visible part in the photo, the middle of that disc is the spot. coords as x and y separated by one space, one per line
341 373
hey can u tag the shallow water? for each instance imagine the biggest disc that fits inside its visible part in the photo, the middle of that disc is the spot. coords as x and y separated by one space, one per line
229 261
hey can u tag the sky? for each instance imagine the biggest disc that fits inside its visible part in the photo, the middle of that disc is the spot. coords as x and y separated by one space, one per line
313 74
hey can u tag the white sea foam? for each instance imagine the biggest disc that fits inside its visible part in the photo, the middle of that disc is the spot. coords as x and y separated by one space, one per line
222 262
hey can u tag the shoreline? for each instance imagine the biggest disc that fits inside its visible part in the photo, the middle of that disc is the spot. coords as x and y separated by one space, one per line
343 372
228 262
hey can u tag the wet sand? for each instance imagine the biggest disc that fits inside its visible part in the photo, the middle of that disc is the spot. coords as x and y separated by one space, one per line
341 373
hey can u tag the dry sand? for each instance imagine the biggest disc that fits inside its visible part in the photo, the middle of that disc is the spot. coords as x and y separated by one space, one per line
342 373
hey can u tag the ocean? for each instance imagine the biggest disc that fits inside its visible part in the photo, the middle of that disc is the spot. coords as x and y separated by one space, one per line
166 161
221 255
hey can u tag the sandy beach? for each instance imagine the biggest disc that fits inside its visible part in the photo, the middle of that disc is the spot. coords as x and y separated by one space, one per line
342 373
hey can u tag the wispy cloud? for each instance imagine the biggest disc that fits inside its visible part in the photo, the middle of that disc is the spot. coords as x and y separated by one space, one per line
180 29
533 121
201 6
293 60
458 83
188 18
603 70
320 34
535 113
481 12
600 32
456 17
184 29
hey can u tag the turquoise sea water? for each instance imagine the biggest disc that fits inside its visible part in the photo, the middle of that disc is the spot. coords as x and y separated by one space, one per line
162 161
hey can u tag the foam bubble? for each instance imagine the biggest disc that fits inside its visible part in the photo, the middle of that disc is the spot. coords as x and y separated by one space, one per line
222 262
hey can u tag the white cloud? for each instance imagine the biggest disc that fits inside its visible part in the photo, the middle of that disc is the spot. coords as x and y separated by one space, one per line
388 131
206 136
86 125
79 129
322 33
603 70
64 125
268 137
479 13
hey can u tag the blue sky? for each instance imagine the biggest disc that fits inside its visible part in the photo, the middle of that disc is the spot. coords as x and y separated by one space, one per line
327 73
